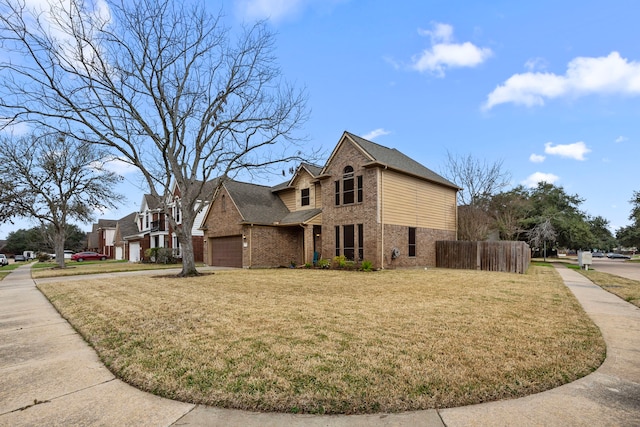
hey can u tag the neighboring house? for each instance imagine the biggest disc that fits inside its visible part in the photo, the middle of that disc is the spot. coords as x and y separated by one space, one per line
126 226
368 202
153 229
197 234
101 237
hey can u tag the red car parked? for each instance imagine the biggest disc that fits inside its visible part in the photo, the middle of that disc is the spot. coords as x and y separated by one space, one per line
86 256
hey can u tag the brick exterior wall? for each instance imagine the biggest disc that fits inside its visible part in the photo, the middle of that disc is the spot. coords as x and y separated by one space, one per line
273 246
364 213
397 236
265 246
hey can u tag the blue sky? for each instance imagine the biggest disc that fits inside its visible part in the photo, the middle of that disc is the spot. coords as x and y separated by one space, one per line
551 88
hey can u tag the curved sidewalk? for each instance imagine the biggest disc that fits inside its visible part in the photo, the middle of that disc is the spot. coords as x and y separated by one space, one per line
50 376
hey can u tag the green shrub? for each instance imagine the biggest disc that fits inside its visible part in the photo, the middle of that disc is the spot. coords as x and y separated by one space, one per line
366 266
350 265
324 263
339 261
160 255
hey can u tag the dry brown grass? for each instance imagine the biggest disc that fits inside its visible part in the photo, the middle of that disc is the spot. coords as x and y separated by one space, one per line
336 342
627 289
50 269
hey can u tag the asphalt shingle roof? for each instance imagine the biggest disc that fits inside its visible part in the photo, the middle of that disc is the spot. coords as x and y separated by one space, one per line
256 203
128 225
395 159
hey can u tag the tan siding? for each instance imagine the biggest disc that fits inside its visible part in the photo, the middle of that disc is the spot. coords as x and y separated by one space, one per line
289 199
416 203
292 197
317 194
317 220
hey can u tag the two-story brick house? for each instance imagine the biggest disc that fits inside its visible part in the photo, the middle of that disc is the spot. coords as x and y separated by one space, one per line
368 202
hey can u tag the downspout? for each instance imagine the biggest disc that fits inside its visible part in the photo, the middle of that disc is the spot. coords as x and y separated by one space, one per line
381 201
250 245
304 244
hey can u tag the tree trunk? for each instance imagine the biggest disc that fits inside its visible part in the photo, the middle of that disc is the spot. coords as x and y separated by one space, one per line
58 244
184 233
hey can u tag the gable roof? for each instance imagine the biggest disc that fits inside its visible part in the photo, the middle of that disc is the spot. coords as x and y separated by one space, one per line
208 188
312 170
128 224
151 202
256 203
391 158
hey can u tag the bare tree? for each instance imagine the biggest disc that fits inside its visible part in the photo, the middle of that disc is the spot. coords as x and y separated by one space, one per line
478 179
542 233
479 182
55 179
163 84
474 223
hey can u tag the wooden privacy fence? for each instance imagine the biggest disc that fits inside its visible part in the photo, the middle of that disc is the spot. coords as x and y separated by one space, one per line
511 257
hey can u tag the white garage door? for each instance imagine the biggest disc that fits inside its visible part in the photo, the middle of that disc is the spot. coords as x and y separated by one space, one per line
134 251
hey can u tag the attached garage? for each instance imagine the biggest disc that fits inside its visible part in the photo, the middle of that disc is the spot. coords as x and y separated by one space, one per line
134 251
226 251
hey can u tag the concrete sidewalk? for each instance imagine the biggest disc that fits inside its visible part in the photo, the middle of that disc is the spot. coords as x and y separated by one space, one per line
50 376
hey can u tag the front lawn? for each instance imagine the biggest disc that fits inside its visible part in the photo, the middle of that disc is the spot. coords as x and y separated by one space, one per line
74 268
320 341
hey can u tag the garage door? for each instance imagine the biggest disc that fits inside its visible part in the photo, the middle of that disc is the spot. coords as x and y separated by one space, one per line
226 251
134 252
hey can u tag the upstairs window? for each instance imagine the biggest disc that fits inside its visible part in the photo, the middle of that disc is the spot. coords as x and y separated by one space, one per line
176 211
351 187
347 186
305 199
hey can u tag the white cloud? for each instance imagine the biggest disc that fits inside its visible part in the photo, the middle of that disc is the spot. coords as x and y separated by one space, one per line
280 10
14 129
576 151
621 139
585 76
118 166
57 19
537 177
376 133
274 10
536 64
536 158
444 54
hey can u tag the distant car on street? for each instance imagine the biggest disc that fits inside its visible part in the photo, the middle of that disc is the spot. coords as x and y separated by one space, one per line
86 256
597 255
3 260
618 256
18 258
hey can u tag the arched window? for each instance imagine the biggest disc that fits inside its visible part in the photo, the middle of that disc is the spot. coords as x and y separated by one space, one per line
348 195
347 186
